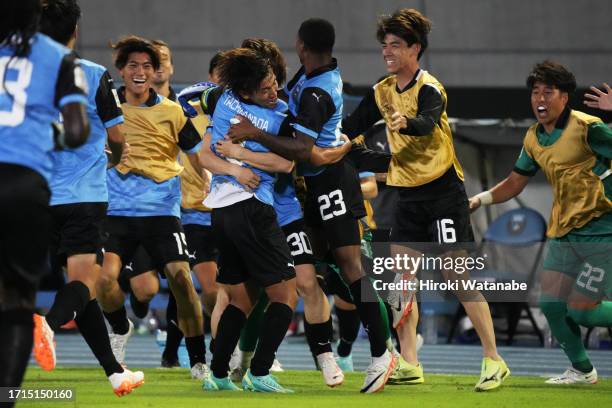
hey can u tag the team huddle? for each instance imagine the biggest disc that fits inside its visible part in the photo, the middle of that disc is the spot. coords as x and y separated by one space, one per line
139 182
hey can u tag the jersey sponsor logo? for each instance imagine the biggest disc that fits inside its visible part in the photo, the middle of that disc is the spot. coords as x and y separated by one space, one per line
317 97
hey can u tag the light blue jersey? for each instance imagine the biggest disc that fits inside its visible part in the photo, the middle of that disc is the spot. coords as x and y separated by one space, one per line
79 175
321 87
268 120
133 195
286 204
196 217
35 88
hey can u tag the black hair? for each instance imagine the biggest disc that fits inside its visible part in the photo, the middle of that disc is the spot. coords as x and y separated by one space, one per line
318 35
408 24
268 49
241 70
127 45
553 74
214 62
59 19
18 24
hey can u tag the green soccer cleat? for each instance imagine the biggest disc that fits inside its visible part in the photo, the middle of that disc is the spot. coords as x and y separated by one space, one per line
212 383
406 373
345 363
492 374
264 383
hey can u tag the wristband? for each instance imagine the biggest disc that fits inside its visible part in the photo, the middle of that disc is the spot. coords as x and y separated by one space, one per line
486 198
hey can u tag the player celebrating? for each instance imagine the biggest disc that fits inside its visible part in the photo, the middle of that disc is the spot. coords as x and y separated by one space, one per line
334 203
573 150
425 171
251 243
78 184
144 199
39 79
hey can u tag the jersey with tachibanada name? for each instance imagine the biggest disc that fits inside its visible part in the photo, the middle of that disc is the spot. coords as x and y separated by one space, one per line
269 120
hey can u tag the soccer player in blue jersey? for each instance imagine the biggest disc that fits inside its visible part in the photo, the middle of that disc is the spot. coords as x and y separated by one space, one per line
251 243
78 206
334 202
144 199
39 79
290 218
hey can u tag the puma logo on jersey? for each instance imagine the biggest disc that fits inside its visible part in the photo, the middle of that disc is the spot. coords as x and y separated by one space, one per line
317 97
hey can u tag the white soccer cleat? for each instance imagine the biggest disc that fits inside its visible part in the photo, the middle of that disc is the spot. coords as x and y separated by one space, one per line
573 376
118 343
378 373
125 382
276 367
332 374
199 371
401 301
44 344
239 364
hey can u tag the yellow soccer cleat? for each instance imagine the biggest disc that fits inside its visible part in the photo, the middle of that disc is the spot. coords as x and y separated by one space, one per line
406 373
492 374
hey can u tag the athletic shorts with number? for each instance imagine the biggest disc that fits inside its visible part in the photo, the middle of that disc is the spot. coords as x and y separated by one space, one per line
77 229
251 244
443 220
334 203
161 236
587 259
24 235
299 243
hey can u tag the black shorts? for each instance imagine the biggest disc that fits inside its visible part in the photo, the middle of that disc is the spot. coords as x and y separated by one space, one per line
299 243
445 220
334 203
24 236
162 237
140 263
77 229
251 244
201 243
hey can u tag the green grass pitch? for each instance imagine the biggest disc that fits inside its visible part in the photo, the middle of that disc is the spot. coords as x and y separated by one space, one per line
174 389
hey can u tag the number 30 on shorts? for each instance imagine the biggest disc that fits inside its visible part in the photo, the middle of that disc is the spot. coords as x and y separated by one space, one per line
298 243
331 205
